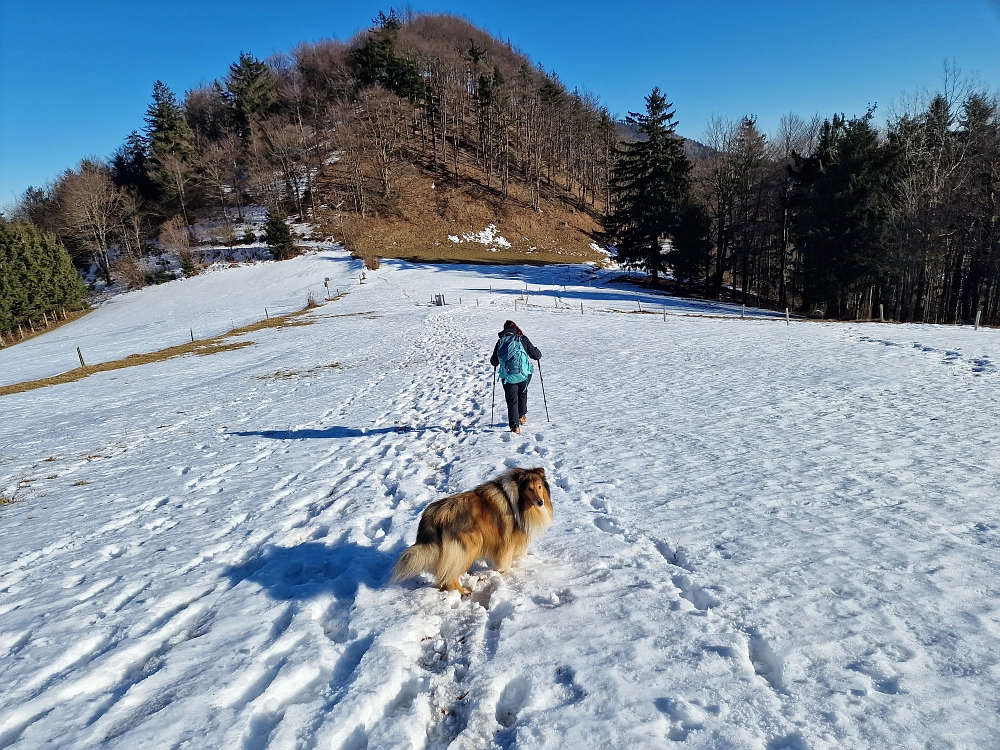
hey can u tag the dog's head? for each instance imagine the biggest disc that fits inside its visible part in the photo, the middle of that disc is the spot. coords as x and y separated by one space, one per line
533 489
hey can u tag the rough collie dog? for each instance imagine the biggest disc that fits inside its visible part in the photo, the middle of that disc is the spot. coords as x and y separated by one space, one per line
496 521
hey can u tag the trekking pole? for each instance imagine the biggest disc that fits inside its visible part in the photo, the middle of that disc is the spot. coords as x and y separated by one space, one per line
543 390
494 401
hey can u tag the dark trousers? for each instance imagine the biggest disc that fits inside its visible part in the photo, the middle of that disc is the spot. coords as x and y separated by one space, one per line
516 395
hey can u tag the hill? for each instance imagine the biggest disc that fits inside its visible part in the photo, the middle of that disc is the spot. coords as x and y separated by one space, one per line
419 128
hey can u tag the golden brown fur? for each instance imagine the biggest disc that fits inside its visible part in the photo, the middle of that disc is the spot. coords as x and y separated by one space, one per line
495 521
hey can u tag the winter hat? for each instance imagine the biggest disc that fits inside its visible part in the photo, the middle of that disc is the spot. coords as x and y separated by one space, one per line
510 325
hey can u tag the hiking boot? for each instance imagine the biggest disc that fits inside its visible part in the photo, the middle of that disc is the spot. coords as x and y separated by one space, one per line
524 419
516 430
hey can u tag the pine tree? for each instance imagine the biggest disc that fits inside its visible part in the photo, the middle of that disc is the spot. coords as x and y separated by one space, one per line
171 149
278 236
252 90
167 130
130 166
377 62
36 275
841 208
649 187
690 255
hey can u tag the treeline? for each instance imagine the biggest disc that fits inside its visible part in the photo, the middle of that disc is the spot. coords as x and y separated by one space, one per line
838 218
832 218
333 123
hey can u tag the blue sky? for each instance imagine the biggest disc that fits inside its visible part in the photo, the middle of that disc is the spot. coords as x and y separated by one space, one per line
76 76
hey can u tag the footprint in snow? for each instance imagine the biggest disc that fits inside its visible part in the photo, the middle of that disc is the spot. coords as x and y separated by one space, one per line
572 692
555 599
684 716
694 593
608 525
512 700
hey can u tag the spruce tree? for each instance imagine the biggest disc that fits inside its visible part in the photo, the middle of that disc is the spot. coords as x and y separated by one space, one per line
278 236
377 62
130 166
171 150
167 130
36 275
690 254
841 210
649 187
252 90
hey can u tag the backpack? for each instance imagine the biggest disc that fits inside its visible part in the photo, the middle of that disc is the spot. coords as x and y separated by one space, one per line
514 364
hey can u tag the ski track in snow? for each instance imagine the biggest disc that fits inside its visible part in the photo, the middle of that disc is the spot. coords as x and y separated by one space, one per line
766 536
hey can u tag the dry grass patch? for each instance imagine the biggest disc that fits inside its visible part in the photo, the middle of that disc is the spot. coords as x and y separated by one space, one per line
204 347
429 208
290 374
21 490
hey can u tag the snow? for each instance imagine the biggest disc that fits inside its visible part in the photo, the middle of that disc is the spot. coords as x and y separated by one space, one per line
766 535
490 237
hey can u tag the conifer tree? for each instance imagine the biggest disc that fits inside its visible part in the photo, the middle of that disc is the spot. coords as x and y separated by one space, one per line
690 254
278 236
649 187
171 148
130 166
376 61
36 275
167 130
841 208
252 90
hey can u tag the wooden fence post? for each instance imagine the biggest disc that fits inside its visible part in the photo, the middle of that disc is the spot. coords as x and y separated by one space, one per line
978 315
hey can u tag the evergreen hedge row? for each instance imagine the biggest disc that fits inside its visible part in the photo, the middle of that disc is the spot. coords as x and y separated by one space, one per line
36 276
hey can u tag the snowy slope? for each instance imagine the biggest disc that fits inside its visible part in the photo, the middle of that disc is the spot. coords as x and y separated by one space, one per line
766 535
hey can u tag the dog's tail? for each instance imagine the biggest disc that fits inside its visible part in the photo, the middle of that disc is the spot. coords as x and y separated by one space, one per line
416 559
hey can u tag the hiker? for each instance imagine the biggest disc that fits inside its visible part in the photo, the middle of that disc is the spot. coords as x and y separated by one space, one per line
511 353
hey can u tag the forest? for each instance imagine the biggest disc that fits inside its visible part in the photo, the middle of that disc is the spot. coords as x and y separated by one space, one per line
831 217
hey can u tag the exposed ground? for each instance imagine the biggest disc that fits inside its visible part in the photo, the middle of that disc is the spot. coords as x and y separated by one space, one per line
428 207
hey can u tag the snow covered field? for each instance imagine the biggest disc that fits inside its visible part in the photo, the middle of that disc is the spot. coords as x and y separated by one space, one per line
766 535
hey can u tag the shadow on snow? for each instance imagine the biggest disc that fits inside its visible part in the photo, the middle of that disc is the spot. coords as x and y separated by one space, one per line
584 284
337 431
313 568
